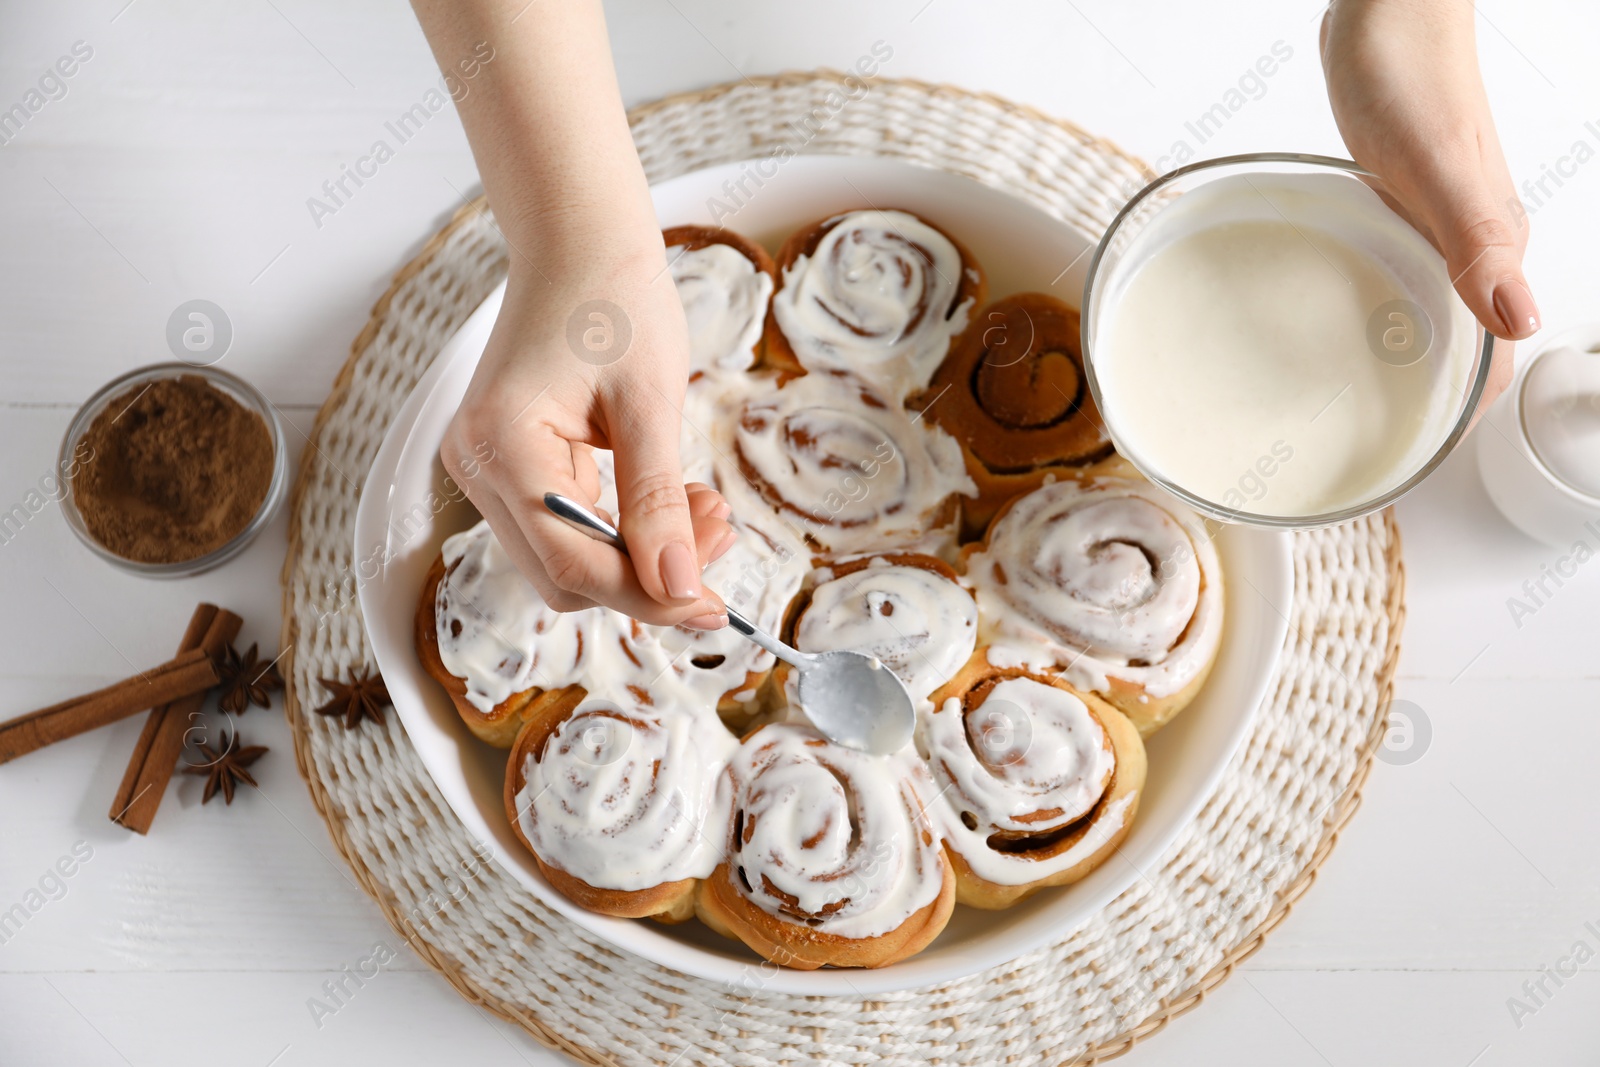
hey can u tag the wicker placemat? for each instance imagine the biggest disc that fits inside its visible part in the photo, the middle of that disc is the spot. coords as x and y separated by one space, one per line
1150 955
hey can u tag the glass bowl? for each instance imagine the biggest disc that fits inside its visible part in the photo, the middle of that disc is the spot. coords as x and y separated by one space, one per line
1320 194
239 390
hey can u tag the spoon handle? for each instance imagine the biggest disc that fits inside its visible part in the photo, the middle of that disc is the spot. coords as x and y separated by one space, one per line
792 656
575 514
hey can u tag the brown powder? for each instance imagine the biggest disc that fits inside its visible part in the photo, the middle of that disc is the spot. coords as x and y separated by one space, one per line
179 468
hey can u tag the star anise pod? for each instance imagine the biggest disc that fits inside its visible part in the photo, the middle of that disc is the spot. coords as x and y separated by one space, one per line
224 769
363 697
243 682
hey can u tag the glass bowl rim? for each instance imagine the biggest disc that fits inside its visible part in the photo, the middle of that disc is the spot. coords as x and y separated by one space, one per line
237 387
1211 508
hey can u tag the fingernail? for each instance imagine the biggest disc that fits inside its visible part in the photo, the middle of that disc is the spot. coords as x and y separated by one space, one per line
722 546
678 572
722 510
1515 306
709 621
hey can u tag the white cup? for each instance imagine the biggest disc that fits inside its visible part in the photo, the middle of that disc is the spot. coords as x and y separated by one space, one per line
1539 450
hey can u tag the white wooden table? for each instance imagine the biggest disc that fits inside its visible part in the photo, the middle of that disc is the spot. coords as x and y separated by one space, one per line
178 164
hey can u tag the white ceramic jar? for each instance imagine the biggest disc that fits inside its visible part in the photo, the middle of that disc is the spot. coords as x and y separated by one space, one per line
1539 455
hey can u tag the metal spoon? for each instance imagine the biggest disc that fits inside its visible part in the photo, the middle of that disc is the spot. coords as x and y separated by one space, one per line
850 696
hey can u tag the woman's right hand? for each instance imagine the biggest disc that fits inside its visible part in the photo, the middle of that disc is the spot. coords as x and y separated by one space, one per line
598 359
545 119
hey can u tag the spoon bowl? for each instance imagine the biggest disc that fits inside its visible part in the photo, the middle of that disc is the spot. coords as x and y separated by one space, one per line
856 701
850 696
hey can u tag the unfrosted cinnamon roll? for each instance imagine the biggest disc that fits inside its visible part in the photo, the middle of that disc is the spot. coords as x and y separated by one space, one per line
850 468
725 282
1037 782
908 610
1013 392
623 802
879 294
831 857
1112 581
484 633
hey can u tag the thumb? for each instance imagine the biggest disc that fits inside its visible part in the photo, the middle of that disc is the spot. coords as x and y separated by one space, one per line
1480 240
656 522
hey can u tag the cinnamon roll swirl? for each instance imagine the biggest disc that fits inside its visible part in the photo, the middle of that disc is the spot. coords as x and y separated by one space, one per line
879 294
725 282
831 857
850 468
1013 392
484 633
1037 782
623 802
1110 580
908 610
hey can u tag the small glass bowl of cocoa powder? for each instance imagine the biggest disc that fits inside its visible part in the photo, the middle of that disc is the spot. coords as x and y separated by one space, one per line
172 469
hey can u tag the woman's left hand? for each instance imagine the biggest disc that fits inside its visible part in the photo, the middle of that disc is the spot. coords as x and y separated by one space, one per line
1403 81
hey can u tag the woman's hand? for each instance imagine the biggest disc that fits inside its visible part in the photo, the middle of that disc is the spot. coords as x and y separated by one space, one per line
560 377
547 127
1403 81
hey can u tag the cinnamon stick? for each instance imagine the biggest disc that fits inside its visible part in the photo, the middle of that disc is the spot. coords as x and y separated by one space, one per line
155 756
192 672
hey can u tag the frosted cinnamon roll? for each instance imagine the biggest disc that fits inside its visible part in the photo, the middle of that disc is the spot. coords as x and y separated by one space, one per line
1037 783
725 282
1110 580
849 468
1013 392
908 610
758 576
623 802
484 633
705 442
879 294
831 858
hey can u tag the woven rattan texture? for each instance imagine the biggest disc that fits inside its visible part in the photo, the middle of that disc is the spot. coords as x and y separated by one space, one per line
1150 955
